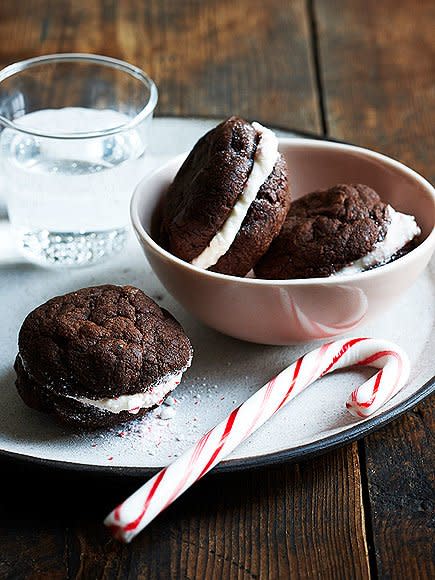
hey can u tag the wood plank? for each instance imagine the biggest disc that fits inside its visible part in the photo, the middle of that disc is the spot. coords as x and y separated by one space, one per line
285 522
224 57
377 69
210 58
302 521
52 524
400 471
32 551
32 539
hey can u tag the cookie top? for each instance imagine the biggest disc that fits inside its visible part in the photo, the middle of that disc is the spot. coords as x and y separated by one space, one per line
103 341
324 231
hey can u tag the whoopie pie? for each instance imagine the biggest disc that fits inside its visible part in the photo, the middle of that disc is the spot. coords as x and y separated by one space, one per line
229 199
100 356
342 230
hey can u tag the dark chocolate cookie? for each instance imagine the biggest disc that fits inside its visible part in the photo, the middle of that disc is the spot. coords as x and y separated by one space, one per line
215 176
103 343
324 231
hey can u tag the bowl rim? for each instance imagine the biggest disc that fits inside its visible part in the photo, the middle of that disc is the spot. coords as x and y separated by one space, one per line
429 242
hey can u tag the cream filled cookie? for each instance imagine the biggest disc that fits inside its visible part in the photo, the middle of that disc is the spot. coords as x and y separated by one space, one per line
100 356
229 199
343 230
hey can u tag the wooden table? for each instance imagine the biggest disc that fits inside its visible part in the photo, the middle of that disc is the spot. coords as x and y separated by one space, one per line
357 70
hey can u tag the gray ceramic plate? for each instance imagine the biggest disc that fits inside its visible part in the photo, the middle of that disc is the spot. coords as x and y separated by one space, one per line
224 372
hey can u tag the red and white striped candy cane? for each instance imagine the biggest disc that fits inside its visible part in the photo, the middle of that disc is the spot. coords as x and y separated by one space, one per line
136 512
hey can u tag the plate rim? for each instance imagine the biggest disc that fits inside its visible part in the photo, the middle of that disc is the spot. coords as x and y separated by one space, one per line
290 455
299 453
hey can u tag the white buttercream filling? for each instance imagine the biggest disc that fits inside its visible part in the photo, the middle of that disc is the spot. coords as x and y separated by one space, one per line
265 158
401 230
133 403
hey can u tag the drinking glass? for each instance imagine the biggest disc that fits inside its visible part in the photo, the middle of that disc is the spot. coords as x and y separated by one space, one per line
74 129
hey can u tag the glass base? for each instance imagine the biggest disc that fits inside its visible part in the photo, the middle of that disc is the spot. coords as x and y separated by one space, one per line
71 249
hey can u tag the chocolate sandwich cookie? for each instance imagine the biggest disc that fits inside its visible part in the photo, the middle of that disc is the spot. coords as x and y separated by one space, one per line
342 230
100 356
229 199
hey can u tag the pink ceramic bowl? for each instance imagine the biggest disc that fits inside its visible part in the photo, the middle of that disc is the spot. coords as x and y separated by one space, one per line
292 311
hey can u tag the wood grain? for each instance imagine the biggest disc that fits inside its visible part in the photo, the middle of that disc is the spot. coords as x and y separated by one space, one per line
211 58
401 483
32 551
279 523
302 521
32 540
377 65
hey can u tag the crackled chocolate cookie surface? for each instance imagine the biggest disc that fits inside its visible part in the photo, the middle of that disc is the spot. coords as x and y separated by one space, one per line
100 355
229 199
344 229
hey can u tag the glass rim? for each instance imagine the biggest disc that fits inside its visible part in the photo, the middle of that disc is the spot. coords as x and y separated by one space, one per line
97 59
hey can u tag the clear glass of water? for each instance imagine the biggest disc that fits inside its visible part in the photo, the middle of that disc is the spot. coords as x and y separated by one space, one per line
74 129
